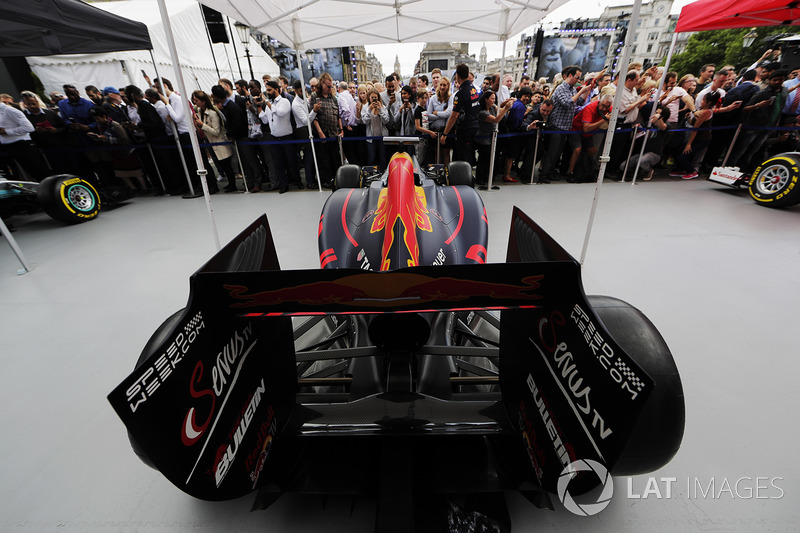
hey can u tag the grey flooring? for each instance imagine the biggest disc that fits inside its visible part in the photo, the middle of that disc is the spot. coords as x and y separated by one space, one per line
717 274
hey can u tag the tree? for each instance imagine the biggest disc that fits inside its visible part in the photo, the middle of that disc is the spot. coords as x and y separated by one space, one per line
725 47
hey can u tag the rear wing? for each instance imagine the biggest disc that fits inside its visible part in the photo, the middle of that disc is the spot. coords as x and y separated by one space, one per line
572 391
215 389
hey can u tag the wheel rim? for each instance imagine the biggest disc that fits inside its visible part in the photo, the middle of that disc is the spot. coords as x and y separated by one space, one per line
772 179
81 198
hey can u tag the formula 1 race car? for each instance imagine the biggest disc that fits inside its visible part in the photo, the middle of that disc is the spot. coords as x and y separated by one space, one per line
64 197
406 368
773 184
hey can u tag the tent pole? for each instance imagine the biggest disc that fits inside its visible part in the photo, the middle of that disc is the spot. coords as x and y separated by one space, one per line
604 158
176 65
655 104
15 247
298 44
210 44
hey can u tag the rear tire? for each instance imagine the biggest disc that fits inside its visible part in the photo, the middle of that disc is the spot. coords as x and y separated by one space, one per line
348 177
657 436
69 199
775 181
460 173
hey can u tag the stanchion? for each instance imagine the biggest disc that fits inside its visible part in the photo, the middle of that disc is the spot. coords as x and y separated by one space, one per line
630 151
641 154
733 143
438 147
341 149
158 170
17 251
491 160
535 155
241 167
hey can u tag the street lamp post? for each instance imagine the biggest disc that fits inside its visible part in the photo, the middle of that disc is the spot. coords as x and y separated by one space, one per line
748 39
244 36
310 55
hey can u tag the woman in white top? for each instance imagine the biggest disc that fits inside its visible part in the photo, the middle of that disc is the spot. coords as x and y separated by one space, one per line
360 129
208 119
375 117
440 106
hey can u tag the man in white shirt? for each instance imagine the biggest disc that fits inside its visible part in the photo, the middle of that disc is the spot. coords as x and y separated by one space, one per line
629 106
277 113
15 136
176 109
716 85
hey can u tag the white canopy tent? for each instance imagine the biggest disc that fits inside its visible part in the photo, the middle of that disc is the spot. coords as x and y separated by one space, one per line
122 68
325 23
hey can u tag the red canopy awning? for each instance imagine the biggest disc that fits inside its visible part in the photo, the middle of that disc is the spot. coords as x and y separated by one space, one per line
725 14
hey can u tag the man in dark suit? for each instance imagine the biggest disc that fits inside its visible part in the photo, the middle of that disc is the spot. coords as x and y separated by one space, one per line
156 135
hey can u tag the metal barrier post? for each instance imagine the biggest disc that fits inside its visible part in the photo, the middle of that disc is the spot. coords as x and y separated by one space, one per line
630 151
341 148
158 170
535 155
438 147
491 160
17 251
733 143
641 154
241 167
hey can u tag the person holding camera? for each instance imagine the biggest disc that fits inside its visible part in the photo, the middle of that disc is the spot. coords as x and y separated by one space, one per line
277 113
489 117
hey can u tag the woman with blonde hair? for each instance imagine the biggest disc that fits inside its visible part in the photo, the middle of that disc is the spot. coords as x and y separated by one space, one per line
440 107
360 129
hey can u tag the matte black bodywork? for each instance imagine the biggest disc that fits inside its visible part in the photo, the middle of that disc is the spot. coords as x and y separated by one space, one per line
404 395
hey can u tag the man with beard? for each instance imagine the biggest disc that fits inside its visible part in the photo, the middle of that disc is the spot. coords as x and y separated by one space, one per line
328 125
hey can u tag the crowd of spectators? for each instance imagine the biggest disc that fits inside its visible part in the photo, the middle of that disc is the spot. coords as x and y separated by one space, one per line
140 137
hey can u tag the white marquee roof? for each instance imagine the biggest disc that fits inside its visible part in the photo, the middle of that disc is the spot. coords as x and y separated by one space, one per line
328 23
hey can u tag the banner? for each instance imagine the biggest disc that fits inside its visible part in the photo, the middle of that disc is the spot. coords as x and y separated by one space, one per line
587 51
324 60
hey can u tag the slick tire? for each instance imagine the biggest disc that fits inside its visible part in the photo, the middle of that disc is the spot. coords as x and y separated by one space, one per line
155 340
775 181
460 173
69 199
657 436
348 177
